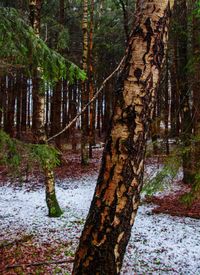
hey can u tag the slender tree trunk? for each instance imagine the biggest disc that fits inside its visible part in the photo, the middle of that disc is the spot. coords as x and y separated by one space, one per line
177 90
47 106
99 115
114 206
29 105
37 93
2 98
174 97
125 15
166 115
154 133
186 119
18 87
196 90
24 103
108 102
10 110
73 114
64 96
91 80
84 97
38 117
56 113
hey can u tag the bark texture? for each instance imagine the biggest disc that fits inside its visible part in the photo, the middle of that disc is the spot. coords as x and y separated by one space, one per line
38 117
114 206
186 118
91 79
52 203
84 95
196 89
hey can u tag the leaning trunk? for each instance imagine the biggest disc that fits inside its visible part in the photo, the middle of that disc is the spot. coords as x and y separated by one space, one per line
114 206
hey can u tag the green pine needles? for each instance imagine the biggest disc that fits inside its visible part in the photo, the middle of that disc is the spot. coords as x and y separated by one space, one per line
21 48
20 158
165 175
9 155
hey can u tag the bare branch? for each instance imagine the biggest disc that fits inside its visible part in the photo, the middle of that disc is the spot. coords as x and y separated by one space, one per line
90 102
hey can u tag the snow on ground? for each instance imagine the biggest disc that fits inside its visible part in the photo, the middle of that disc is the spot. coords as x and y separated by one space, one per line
160 244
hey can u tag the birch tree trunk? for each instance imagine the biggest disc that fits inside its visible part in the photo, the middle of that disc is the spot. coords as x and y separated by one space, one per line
38 118
114 206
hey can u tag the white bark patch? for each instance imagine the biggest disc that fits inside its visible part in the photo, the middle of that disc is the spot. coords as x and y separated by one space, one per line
140 168
116 251
120 131
121 190
95 242
134 183
121 204
132 218
116 221
138 129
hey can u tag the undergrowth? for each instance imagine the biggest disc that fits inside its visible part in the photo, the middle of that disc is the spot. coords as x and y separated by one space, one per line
165 176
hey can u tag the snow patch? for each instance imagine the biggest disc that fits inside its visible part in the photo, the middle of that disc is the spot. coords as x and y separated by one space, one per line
160 244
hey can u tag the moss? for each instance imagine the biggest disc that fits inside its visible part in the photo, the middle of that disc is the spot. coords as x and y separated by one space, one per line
53 206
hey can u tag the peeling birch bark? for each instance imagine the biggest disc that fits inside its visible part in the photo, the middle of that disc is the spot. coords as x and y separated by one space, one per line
114 206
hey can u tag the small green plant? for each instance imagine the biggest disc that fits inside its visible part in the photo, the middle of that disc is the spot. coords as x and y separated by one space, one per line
164 176
69 253
57 270
9 154
194 194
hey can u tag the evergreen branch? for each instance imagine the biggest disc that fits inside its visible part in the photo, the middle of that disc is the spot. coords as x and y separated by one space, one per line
89 103
21 46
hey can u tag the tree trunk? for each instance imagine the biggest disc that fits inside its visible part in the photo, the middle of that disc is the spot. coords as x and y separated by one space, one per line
166 112
175 97
56 113
114 206
18 87
186 118
10 109
99 114
2 98
84 96
24 103
196 89
38 117
91 79
51 200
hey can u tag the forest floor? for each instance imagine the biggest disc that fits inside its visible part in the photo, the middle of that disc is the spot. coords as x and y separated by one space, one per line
165 237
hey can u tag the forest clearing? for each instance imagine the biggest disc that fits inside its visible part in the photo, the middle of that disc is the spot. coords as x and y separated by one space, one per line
99 137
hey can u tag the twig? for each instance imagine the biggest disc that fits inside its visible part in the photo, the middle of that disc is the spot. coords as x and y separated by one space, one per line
89 103
40 263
